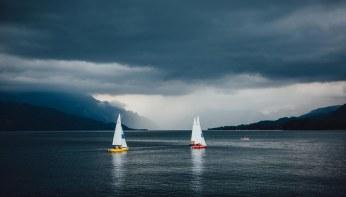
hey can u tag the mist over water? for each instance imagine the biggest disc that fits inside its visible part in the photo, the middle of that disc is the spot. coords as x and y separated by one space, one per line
160 163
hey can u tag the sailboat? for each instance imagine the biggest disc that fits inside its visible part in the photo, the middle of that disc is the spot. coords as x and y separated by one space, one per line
197 138
119 142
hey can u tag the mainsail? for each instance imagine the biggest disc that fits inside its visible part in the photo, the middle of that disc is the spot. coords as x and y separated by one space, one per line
119 136
197 134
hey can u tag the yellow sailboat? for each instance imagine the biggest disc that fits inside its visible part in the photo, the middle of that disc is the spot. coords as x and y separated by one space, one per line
119 141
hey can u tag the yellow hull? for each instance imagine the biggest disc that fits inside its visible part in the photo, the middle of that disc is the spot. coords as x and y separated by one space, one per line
117 150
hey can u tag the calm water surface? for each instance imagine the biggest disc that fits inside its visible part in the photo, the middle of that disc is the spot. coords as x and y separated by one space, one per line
159 163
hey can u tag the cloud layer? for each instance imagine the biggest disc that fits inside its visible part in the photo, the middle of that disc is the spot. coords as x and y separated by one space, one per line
110 78
185 40
229 61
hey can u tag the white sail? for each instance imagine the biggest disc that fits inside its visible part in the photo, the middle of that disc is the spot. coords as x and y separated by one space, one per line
119 137
200 137
197 134
194 130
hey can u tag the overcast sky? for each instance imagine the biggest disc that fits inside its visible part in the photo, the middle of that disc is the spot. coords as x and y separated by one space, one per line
228 61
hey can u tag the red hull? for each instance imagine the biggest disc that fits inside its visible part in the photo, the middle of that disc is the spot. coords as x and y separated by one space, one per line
198 147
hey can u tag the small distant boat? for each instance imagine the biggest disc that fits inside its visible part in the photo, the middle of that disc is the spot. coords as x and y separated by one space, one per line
197 138
119 142
245 139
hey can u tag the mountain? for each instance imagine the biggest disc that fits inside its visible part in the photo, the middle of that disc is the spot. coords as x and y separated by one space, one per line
324 111
21 116
327 118
77 104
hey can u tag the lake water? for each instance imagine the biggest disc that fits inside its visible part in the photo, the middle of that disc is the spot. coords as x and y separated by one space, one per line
160 163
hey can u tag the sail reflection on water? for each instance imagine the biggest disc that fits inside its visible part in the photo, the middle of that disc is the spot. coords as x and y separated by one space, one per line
119 168
197 158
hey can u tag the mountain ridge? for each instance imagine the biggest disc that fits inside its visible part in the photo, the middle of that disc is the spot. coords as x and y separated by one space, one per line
77 104
326 118
24 117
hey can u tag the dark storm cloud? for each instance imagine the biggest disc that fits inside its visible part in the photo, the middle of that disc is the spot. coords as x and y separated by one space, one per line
185 40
